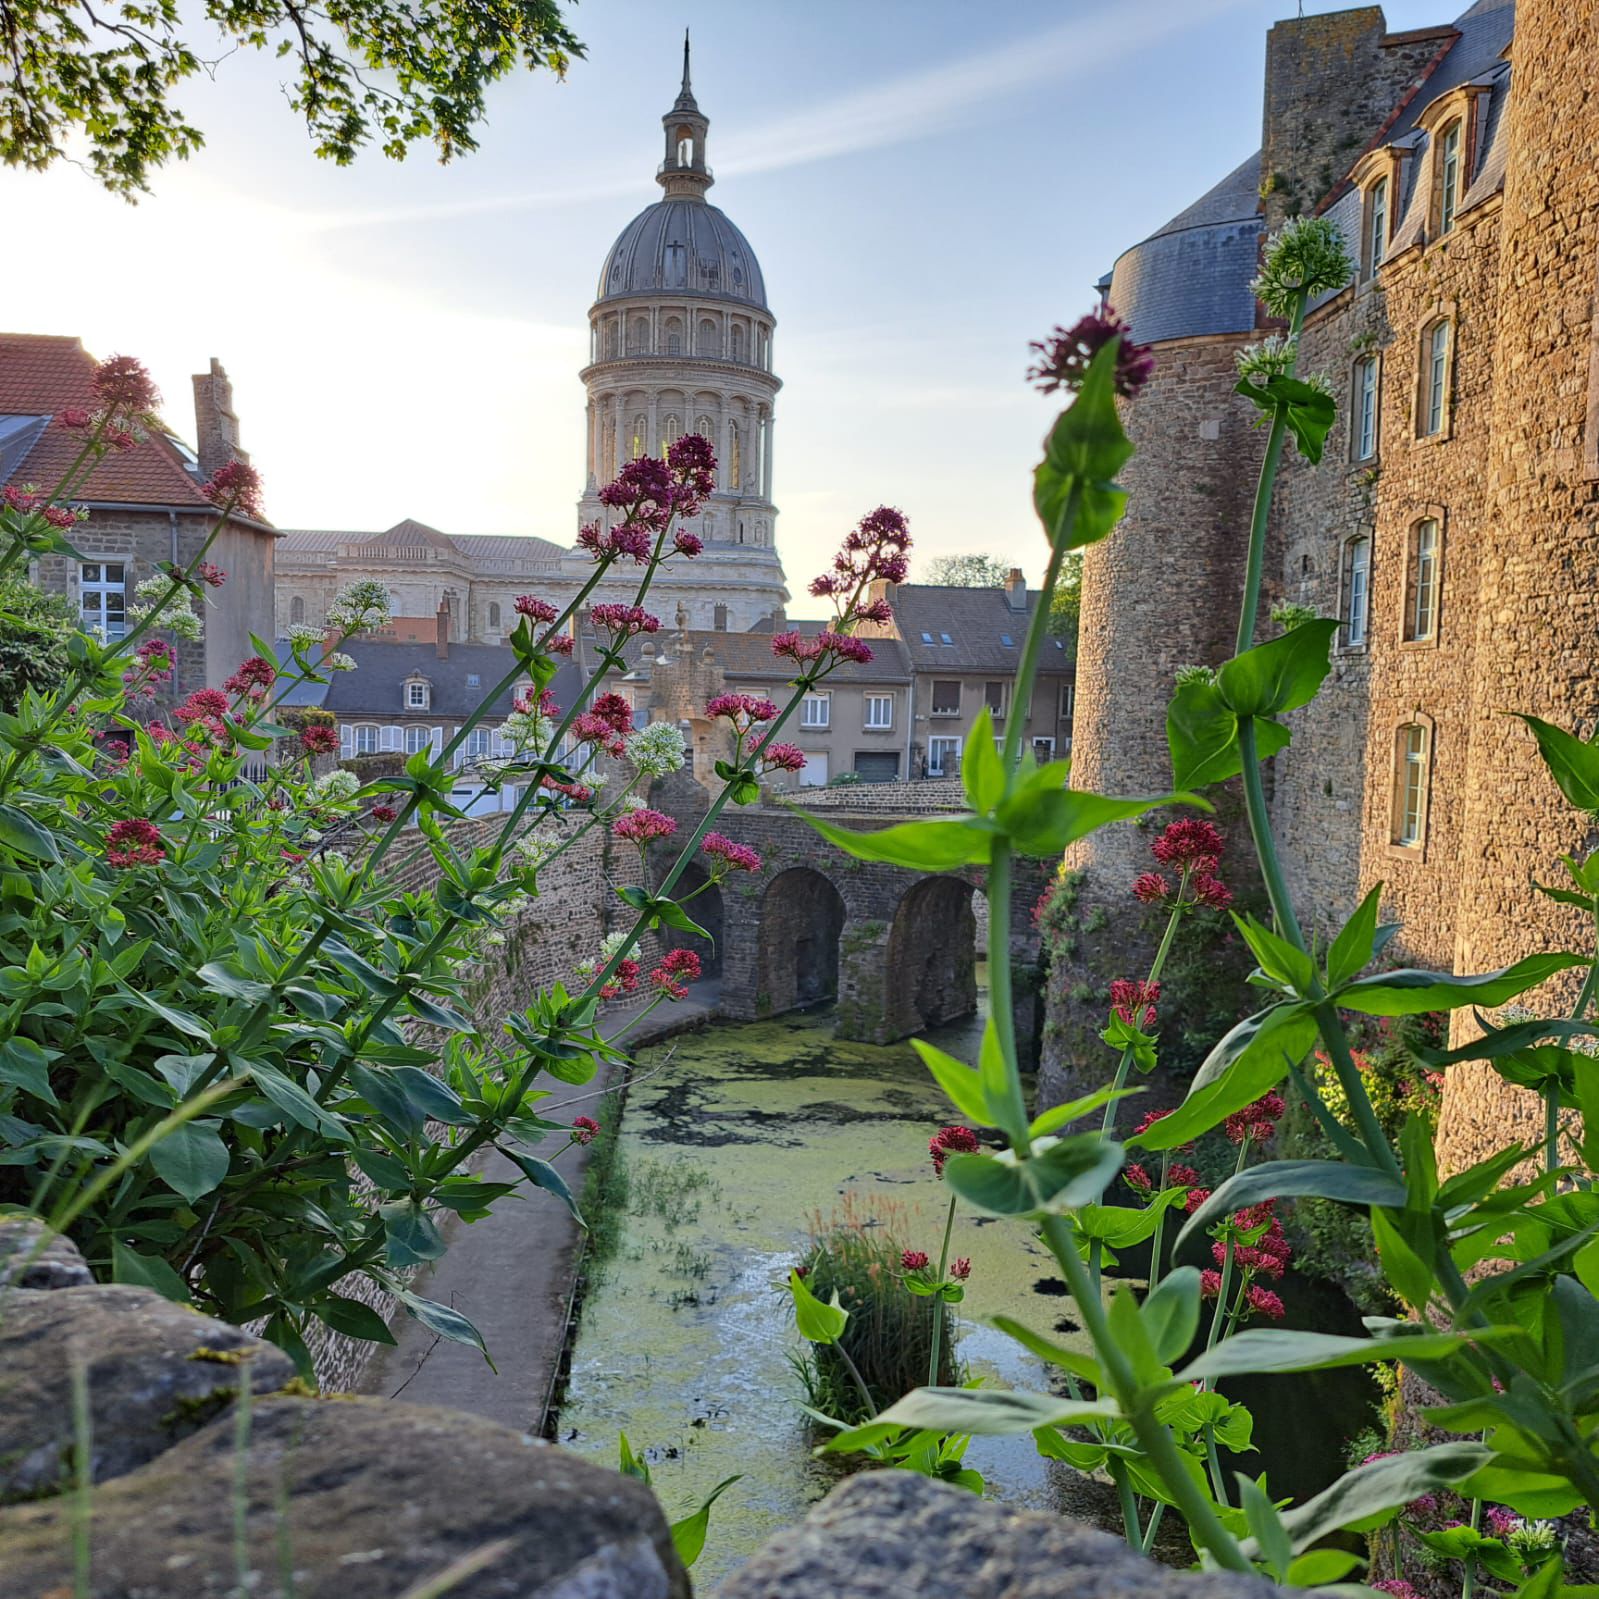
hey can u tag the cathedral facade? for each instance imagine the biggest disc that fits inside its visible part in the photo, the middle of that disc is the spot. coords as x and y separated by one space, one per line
680 341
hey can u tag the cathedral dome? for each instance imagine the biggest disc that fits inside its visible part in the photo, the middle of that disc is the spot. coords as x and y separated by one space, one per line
682 245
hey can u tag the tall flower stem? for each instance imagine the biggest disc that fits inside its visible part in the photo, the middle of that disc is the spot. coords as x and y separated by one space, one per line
1157 1242
938 1301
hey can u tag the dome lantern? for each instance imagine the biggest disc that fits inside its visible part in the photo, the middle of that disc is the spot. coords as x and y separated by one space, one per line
683 172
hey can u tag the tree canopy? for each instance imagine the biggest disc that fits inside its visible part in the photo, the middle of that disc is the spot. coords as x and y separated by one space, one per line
966 571
34 630
394 72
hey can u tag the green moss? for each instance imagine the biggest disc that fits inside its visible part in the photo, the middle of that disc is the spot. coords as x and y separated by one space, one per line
190 1411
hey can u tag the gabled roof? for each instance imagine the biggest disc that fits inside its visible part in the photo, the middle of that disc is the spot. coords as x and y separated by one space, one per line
532 553
372 690
410 534
41 375
975 621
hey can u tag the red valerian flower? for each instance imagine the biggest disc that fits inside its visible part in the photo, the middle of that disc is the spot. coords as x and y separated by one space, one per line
960 1268
122 382
614 711
319 739
796 647
211 574
845 647
671 978
257 672
623 980
236 486
643 826
1134 1001
1138 1179
1181 1176
1264 1302
913 1259
203 703
578 793
119 439
560 643
1149 1120
1212 891
875 611
730 855
741 709
1256 1122
687 543
1209 1283
1190 842
1150 887
1196 1198
77 417
61 516
626 538
134 842
20 499
780 757
584 1129
1398 1587
625 620
539 610
949 1141
384 813
1064 356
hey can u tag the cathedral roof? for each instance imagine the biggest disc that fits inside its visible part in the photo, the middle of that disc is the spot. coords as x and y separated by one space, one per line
682 245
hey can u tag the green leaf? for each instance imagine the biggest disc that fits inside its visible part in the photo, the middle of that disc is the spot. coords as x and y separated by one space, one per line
1573 764
960 1082
444 1320
1382 1486
982 774
191 1158
1058 1116
1171 1314
1256 1351
1317 1567
1410 992
296 1103
147 1271
1250 1060
1266 1527
353 1319
1404 1268
1078 1364
994 1072
1074 491
1043 817
543 1175
629 1464
817 1323
688 1535
981 1413
413 1236
24 836
1121 1226
1308 411
1059 1175
1279 675
1286 963
1320 1179
222 979
1131 1337
1202 735
1352 950
25 1065
938 846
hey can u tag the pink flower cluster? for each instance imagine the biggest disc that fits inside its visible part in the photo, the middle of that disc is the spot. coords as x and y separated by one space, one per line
1255 1122
626 621
1259 1301
913 1259
535 609
253 678
211 574
949 1141
1269 1254
650 493
235 487
742 710
624 980
672 977
778 757
1193 848
643 826
607 722
1178 1175
1064 356
1134 1001
728 856
134 842
319 739
154 663
206 711
121 383
584 1129
626 538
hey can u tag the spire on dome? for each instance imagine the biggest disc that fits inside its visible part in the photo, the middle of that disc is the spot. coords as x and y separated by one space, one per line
684 174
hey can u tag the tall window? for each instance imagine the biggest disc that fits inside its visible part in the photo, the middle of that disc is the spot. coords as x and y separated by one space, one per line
416 696
639 442
879 712
943 755
1435 378
297 609
674 337
685 149
738 341
815 709
1421 611
494 614
946 697
479 744
1412 754
1448 176
705 340
103 597
719 618
1376 225
1357 590
416 739
735 458
638 338
366 738
1366 390
1068 701
672 430
996 695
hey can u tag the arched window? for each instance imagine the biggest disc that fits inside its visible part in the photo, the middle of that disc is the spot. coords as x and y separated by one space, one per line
685 148
674 336
1411 778
610 340
1449 171
1423 572
640 440
1437 358
297 609
719 618
494 615
1357 590
1363 431
705 341
1375 241
735 458
676 266
671 429
638 336
738 341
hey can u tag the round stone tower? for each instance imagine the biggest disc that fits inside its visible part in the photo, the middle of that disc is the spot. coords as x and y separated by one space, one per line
681 341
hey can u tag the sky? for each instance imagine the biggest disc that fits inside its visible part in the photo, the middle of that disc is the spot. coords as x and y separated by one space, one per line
928 185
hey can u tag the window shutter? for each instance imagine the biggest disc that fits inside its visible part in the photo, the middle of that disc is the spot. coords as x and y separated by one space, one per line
389 738
437 739
346 740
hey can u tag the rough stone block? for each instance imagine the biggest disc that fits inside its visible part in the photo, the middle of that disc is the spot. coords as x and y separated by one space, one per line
357 1500
156 1372
31 1256
892 1533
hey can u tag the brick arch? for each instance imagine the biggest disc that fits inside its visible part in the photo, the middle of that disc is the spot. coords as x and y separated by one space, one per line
931 958
802 917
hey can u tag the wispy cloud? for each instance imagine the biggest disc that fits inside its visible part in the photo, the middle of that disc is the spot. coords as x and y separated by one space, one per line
897 111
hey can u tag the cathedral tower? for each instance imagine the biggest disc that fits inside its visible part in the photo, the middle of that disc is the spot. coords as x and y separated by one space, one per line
681 341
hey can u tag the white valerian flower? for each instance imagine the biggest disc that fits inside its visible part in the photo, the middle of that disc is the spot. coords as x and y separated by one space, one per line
1307 255
359 607
1530 1540
611 946
302 636
632 802
338 661
334 789
532 851
1272 357
493 938
1194 674
656 750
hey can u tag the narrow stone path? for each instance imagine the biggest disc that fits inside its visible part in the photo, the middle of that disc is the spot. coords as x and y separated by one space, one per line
513 1273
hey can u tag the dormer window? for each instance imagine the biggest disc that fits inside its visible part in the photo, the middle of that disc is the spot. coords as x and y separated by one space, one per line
416 694
1449 173
1376 231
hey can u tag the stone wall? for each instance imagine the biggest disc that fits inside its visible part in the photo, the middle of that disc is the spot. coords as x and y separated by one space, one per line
903 798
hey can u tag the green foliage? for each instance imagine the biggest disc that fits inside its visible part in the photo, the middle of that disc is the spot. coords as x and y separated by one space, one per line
368 71
1074 488
34 630
971 570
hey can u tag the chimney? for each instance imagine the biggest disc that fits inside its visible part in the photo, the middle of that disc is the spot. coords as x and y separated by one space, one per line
216 426
1016 589
442 647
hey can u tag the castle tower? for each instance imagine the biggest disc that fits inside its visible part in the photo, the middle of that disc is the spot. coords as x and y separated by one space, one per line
681 341
1538 573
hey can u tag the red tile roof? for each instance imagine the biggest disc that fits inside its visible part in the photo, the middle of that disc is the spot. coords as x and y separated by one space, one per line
41 375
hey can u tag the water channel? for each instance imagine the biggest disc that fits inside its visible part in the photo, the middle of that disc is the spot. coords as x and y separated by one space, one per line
737 1140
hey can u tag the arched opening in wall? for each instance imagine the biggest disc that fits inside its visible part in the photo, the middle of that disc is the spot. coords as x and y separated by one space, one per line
297 609
719 618
685 147
494 615
674 336
932 956
802 919
706 909
739 341
705 339
638 336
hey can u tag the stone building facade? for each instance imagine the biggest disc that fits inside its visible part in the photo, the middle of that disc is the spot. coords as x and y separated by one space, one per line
1451 523
680 342
145 507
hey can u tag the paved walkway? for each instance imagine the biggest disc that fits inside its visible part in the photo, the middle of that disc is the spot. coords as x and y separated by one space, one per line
513 1273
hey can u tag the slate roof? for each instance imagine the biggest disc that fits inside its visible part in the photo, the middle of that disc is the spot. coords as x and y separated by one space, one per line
41 375
682 245
749 655
372 690
977 621
410 534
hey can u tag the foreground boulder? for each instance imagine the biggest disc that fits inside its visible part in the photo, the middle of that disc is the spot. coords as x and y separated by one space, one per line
888 1534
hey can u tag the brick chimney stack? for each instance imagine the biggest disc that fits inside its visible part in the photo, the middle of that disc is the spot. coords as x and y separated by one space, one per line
216 425
1016 589
442 647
